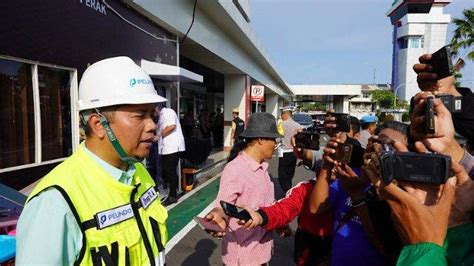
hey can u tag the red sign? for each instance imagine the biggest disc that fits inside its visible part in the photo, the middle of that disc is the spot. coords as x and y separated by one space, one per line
257 93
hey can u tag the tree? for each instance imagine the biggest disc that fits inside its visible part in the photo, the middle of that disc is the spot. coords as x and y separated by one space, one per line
402 105
463 37
383 98
315 106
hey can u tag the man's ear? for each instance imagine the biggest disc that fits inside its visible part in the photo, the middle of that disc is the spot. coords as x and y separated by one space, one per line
96 127
259 141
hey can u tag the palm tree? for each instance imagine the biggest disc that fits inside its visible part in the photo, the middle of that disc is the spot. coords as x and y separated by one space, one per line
463 38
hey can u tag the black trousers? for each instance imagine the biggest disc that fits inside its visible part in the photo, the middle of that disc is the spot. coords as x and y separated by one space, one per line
311 249
169 162
286 170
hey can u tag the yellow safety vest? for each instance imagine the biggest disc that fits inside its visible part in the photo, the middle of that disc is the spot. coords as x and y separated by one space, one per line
121 224
280 128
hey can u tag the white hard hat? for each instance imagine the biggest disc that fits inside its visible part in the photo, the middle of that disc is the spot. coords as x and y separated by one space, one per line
114 81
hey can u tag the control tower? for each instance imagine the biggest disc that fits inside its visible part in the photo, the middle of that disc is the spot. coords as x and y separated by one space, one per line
419 27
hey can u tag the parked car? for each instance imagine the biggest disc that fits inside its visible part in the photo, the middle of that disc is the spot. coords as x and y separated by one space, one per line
304 119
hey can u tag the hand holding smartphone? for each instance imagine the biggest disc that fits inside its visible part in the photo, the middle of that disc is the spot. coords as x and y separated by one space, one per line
343 122
234 211
207 226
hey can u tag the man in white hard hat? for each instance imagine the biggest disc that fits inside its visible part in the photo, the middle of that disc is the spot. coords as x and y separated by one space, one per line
100 205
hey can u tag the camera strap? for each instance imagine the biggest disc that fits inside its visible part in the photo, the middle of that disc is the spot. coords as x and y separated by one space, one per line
351 213
368 228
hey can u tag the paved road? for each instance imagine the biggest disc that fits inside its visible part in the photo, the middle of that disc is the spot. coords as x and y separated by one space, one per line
198 248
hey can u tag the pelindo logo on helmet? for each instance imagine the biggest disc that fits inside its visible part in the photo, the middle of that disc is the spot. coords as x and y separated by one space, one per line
135 81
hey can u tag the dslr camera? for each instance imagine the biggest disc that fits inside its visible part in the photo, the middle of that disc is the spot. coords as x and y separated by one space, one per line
307 140
432 168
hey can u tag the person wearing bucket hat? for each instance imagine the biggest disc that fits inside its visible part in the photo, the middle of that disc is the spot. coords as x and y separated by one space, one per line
245 181
101 200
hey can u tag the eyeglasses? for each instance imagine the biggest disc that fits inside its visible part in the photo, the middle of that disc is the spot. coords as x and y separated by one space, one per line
277 145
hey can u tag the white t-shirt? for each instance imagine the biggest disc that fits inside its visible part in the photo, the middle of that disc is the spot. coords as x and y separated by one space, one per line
174 142
364 138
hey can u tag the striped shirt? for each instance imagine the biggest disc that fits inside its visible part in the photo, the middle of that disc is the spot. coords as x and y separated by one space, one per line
244 181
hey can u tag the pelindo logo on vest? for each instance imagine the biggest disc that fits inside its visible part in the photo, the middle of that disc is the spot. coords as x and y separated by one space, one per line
118 214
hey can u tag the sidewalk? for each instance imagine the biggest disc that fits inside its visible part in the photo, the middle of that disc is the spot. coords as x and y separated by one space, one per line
189 245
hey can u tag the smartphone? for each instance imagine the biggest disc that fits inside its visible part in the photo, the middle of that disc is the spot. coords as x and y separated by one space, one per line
343 122
206 225
234 211
307 140
442 62
343 153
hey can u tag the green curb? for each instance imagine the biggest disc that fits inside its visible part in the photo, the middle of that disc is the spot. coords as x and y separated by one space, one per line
184 212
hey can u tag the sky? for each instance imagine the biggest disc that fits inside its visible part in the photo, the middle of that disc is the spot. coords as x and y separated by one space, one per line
334 41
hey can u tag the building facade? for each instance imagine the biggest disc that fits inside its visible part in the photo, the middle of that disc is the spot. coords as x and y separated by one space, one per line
363 104
199 56
419 27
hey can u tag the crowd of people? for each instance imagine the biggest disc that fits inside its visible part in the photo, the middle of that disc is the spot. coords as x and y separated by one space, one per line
348 214
101 205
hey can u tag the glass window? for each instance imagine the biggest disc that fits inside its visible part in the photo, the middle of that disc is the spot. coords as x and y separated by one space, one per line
414 42
55 106
17 130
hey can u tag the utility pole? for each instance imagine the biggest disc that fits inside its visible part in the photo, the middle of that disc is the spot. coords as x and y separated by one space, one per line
374 75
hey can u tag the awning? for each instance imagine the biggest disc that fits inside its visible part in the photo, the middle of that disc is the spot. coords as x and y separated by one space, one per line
170 72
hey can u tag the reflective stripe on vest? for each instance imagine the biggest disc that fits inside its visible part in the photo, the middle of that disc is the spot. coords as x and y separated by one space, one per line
133 231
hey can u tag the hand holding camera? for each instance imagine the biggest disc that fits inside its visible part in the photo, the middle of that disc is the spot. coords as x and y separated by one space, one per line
419 218
441 139
418 223
435 72
307 140
335 123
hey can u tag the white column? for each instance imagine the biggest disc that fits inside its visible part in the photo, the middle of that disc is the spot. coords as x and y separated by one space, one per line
271 104
281 103
345 104
234 97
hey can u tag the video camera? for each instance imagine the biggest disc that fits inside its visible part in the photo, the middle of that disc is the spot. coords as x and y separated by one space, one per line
307 140
442 63
432 168
452 103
